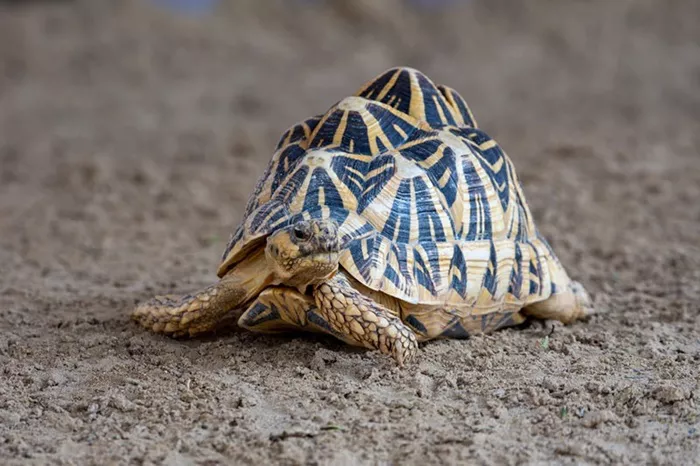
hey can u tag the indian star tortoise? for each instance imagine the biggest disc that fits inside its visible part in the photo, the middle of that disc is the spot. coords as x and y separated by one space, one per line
388 220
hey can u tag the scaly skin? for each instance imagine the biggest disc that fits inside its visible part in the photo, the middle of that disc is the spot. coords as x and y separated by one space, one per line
571 304
191 314
360 321
194 314
342 312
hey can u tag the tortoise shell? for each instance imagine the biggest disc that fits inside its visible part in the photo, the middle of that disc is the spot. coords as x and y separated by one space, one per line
429 208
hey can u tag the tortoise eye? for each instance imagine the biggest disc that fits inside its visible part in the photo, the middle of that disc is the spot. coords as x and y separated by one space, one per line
301 234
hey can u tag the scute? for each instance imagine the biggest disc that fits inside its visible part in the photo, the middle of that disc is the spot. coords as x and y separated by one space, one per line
429 207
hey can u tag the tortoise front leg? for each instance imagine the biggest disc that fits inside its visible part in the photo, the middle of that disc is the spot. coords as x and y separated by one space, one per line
190 314
193 314
358 320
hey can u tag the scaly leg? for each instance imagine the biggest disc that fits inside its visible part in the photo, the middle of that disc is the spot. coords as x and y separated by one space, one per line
568 305
358 320
192 314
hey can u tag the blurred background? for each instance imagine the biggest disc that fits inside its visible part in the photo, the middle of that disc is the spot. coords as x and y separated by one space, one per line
132 133
159 115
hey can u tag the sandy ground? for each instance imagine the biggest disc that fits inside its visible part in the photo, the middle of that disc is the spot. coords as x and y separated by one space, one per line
131 137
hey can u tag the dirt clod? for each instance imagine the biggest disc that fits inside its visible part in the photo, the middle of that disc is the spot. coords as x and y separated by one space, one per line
669 394
596 418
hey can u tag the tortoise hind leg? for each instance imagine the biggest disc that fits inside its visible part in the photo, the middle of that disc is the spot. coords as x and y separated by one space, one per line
568 305
351 316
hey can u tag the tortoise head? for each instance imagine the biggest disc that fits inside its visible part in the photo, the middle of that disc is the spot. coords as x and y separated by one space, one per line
304 253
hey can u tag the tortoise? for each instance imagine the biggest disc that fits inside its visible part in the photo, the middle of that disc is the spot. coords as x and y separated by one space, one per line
389 220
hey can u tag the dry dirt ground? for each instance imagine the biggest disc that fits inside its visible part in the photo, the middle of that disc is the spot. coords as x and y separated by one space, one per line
130 138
